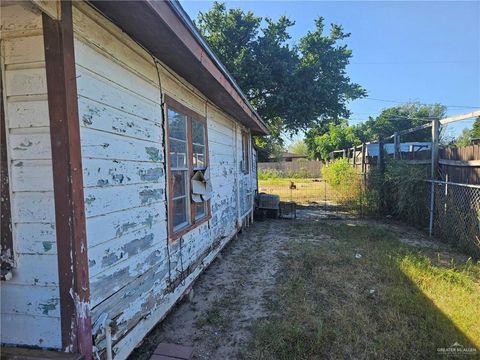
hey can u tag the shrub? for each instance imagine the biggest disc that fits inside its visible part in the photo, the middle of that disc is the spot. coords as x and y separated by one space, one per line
301 173
405 192
339 173
344 180
269 174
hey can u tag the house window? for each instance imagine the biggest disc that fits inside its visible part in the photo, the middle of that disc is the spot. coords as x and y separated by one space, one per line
245 153
187 149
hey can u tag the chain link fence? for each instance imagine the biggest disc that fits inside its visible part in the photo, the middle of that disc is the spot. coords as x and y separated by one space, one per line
456 207
456 215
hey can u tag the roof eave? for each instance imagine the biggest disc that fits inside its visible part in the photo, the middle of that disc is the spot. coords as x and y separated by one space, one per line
166 31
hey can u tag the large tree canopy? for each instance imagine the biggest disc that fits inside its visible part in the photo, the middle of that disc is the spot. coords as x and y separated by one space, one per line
293 87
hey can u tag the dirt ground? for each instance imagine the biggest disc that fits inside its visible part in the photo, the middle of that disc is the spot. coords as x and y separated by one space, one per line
226 299
235 292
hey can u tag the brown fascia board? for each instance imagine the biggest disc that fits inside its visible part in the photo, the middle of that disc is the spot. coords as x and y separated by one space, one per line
163 29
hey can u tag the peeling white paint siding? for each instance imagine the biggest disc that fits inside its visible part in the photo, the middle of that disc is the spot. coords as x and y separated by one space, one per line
125 181
244 179
223 170
30 306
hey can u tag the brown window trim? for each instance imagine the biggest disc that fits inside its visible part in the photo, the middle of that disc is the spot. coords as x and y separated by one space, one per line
190 114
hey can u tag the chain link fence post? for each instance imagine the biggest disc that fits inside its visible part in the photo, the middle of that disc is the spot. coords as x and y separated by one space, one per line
432 204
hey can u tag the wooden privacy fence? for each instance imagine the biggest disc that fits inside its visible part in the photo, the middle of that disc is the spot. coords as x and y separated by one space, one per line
460 165
295 169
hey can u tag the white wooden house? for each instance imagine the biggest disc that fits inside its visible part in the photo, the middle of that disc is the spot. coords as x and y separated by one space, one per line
108 111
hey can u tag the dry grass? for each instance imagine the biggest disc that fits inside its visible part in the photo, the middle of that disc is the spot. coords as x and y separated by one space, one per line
307 191
395 302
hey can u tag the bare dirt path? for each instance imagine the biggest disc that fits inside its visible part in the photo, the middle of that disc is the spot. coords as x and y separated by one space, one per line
227 298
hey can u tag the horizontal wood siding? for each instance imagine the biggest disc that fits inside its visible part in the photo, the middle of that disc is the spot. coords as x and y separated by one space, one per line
224 171
121 135
30 300
132 278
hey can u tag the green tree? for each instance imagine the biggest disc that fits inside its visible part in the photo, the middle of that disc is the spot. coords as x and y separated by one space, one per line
293 87
464 138
403 117
339 136
298 147
475 132
268 147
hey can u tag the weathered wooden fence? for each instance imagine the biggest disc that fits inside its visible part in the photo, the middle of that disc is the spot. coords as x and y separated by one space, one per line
295 169
455 164
460 165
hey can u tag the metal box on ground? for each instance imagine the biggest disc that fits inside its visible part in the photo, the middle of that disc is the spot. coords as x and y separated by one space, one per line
268 205
268 201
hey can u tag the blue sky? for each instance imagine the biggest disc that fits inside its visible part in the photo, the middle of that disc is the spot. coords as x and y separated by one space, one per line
425 51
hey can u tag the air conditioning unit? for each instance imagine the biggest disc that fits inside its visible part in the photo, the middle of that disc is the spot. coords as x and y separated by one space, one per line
268 201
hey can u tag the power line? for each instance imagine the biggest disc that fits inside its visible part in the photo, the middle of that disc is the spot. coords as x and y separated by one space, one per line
406 102
411 62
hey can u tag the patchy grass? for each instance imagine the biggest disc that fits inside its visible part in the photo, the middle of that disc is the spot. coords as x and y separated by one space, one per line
394 302
213 317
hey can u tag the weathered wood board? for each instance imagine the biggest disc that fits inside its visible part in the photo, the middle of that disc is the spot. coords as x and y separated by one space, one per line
30 300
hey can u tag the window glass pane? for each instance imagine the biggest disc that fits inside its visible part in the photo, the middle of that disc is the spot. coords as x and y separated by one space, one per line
180 213
245 158
198 132
178 154
179 179
200 210
177 125
199 156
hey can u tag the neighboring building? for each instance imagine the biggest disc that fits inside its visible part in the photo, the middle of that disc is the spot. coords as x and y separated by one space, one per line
287 157
109 109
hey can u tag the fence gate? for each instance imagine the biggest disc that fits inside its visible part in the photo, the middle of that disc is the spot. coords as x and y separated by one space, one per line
317 192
